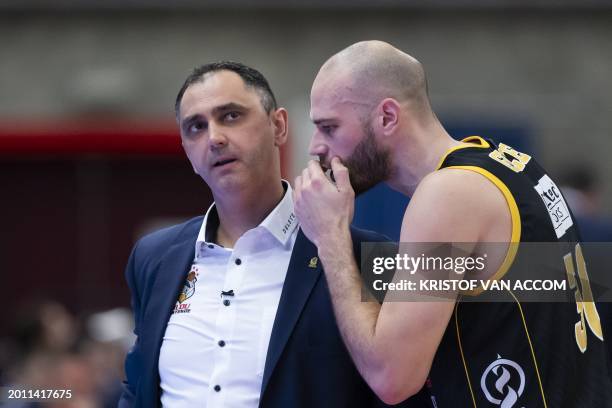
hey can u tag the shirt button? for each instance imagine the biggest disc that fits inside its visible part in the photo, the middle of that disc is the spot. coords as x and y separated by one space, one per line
226 302
238 261
217 388
221 343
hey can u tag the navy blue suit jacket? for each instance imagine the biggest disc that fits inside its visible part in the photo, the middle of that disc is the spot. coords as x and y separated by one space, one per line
307 364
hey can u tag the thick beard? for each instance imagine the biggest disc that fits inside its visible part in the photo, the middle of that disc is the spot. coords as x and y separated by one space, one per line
369 164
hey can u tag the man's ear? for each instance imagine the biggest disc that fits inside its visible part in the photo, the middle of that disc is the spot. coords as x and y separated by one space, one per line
281 126
389 111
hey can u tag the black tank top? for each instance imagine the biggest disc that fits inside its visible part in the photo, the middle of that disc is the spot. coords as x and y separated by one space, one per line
515 354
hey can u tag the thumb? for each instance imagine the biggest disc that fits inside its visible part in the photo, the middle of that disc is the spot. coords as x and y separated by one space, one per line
341 175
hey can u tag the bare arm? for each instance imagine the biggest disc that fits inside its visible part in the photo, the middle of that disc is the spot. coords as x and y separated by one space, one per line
392 345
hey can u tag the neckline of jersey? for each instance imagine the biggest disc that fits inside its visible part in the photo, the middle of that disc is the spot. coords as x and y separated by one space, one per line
471 141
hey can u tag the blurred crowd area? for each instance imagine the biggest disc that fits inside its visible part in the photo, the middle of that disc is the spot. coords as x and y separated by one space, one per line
582 186
50 348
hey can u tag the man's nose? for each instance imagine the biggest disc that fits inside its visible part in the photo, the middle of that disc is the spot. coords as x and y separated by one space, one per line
317 147
216 136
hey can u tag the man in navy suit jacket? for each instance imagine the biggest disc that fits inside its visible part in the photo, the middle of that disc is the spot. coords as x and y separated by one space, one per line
231 131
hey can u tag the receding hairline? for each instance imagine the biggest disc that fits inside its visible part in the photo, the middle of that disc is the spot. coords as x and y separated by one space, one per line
251 79
201 80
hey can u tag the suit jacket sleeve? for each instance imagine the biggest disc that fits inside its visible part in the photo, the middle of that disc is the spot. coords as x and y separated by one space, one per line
133 358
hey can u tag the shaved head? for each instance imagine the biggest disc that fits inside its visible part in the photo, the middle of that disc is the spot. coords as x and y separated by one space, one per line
369 71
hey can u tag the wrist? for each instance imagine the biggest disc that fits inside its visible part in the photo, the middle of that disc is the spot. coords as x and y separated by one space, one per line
335 245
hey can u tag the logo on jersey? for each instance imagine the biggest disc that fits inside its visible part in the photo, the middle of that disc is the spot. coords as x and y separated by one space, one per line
555 205
503 382
187 291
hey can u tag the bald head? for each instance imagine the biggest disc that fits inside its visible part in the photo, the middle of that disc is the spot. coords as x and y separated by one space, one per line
369 71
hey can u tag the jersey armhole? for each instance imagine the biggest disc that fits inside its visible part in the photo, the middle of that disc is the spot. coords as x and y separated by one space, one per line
515 236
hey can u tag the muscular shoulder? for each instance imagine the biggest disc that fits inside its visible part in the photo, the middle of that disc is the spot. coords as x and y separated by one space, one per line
448 184
453 205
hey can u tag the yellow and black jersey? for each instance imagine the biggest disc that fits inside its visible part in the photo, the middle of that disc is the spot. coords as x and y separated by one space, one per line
513 354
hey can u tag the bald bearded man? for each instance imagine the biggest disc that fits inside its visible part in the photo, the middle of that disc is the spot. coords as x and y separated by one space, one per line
374 123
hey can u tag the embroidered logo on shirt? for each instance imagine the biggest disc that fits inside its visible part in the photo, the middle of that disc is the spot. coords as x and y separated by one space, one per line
289 223
187 291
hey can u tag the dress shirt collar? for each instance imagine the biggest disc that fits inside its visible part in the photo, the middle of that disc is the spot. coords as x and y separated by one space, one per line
281 222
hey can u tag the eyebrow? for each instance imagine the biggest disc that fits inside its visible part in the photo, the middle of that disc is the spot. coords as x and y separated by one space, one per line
227 107
215 111
323 120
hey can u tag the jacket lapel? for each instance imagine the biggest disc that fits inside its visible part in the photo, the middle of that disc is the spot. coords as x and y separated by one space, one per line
302 274
170 278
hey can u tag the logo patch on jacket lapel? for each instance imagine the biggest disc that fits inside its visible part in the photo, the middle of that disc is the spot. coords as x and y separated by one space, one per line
313 262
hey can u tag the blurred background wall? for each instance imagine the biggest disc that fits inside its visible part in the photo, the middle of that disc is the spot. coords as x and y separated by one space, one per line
90 158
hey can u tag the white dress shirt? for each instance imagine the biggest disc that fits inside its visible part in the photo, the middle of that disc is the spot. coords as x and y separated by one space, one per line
214 349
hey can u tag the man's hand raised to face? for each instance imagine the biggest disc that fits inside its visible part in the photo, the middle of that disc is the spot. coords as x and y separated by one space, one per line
325 210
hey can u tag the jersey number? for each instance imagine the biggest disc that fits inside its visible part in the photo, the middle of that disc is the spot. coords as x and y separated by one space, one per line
584 299
512 159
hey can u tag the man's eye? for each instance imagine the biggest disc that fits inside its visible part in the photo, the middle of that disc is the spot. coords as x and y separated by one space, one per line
230 116
196 127
327 129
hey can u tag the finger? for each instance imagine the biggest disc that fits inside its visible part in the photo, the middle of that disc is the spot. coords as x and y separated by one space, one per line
305 177
297 187
341 174
315 170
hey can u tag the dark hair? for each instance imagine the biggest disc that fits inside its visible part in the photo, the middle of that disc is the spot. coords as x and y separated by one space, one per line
251 77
